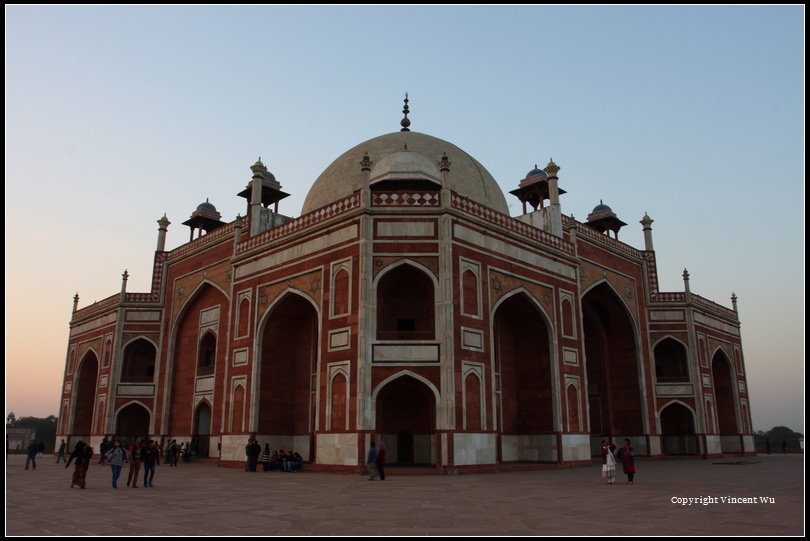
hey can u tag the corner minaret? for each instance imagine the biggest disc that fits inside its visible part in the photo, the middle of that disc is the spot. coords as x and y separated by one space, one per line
646 224
163 226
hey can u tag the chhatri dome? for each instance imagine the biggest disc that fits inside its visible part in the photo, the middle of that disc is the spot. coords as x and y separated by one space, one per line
404 156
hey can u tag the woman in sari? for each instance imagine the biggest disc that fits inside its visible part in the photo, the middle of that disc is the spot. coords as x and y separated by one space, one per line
82 454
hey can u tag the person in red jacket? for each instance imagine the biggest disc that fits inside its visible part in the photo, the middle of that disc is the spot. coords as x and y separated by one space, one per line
628 461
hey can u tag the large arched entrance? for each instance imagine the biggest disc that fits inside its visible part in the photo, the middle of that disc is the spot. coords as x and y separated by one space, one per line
132 421
723 385
289 352
85 397
614 382
678 430
198 356
523 372
406 422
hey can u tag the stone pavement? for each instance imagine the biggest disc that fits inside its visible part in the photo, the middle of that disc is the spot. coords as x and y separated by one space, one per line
203 499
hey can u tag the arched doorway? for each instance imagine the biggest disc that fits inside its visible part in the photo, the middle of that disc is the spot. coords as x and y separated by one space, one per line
406 421
85 394
678 430
202 429
523 372
723 385
132 421
289 351
614 382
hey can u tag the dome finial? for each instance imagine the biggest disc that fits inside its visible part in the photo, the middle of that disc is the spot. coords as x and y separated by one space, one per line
405 122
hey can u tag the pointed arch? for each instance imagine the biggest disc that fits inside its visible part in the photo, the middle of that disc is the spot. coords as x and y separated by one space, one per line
203 418
670 356
572 401
238 409
285 372
84 394
139 359
525 368
405 313
474 406
678 422
206 308
724 387
341 289
614 370
338 400
133 419
404 406
243 317
470 291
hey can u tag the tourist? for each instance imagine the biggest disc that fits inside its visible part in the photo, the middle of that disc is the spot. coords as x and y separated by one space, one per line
254 450
381 460
266 457
371 461
150 456
61 452
117 456
31 457
102 450
608 462
628 460
174 452
134 463
83 454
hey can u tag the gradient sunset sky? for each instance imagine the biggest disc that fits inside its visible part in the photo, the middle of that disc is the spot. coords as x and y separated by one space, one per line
694 115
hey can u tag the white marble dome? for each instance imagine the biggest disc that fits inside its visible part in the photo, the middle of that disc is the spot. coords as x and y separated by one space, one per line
392 155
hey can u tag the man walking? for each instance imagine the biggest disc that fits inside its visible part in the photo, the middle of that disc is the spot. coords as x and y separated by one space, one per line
371 462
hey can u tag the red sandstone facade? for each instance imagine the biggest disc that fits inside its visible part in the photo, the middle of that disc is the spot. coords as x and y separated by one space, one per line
409 308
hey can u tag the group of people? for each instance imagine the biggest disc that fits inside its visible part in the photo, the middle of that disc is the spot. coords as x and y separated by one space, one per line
176 452
139 454
271 460
375 461
625 455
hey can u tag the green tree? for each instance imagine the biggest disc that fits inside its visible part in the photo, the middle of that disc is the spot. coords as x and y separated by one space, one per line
46 429
775 436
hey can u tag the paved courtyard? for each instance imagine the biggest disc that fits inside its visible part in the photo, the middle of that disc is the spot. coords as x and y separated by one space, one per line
203 499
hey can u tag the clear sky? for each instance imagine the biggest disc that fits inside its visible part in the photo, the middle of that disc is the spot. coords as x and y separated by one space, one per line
694 115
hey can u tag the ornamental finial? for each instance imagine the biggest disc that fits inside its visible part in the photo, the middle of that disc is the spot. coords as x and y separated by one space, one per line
405 122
